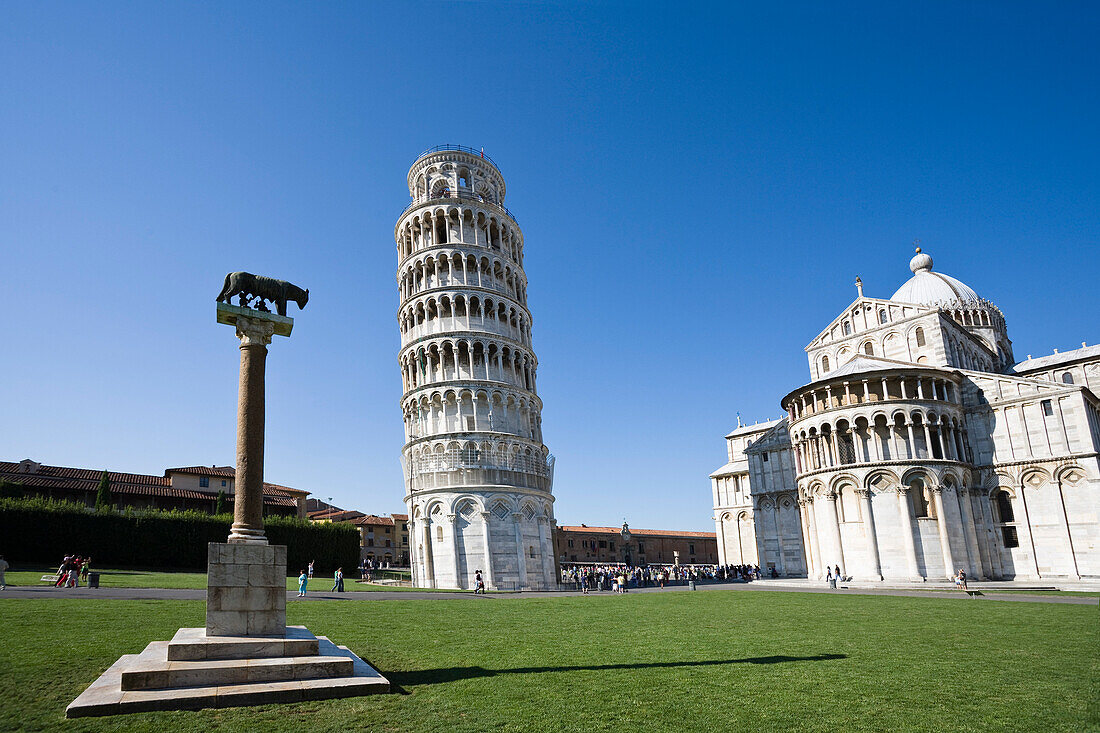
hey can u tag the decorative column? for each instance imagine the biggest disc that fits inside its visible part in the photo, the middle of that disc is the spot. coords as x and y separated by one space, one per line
1027 529
905 514
516 519
804 514
546 549
834 527
452 529
488 569
811 517
871 534
782 569
969 531
1069 535
945 540
248 498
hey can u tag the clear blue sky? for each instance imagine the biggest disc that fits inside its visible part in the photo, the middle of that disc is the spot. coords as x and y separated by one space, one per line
698 185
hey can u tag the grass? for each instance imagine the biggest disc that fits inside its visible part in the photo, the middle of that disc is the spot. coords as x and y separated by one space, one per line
136 578
674 661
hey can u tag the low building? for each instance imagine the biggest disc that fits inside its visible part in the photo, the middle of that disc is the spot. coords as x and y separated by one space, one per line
584 544
193 488
383 540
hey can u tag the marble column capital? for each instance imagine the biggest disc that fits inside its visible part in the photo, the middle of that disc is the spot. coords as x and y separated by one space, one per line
830 495
254 331
863 493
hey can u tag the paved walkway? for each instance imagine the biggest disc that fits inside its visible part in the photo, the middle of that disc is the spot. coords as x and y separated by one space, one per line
170 594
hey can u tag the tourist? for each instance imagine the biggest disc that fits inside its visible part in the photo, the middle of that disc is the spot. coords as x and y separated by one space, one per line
310 569
3 569
962 578
479 584
622 582
584 583
84 568
837 574
829 577
303 580
338 580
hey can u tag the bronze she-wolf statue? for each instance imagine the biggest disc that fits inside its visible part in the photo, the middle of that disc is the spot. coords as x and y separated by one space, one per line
249 286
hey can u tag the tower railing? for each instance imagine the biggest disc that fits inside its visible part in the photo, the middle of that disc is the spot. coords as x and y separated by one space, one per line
460 148
461 194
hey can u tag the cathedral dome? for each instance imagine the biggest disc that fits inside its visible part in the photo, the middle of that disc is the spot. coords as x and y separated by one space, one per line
929 288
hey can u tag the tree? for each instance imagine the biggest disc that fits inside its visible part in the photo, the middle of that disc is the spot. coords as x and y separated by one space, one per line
219 505
103 496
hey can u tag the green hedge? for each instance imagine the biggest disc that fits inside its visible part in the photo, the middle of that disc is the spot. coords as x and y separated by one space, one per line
44 531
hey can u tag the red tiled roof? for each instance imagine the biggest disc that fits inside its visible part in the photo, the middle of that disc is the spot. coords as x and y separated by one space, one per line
400 517
86 479
220 471
335 516
638 532
373 519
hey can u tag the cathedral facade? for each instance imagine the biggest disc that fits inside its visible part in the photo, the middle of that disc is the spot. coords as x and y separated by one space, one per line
921 447
477 475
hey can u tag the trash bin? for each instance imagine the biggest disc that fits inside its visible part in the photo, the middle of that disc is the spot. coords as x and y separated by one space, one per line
93 580
691 585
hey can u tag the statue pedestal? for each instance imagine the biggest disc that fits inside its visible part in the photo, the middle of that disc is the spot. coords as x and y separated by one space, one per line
245 590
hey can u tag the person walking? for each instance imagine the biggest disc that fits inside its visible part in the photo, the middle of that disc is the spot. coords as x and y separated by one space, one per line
479 583
3 569
829 577
338 580
303 580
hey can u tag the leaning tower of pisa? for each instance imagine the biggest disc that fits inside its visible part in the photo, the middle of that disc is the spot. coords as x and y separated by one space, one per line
477 475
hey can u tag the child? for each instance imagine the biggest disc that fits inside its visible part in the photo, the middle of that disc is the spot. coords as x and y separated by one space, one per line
303 579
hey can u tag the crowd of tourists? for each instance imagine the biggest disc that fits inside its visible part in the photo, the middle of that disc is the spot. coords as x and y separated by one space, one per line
73 570
619 577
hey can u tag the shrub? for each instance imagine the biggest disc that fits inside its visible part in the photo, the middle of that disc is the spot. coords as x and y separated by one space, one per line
42 530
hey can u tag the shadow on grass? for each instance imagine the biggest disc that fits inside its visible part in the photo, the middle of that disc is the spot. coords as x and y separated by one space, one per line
452 674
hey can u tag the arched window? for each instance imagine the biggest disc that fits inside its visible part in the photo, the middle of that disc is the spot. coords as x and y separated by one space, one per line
919 334
824 364
1067 378
1004 507
1005 514
869 349
882 317
847 328
922 506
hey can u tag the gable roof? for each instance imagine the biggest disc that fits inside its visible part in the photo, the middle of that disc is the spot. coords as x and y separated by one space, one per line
1052 360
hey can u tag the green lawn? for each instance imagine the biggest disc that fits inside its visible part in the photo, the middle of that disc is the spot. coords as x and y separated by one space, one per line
663 662
127 578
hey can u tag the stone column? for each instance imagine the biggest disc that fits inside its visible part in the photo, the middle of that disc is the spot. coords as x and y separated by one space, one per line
834 527
905 514
811 517
1076 573
547 548
871 534
970 532
945 540
516 519
782 569
452 526
248 499
804 514
488 569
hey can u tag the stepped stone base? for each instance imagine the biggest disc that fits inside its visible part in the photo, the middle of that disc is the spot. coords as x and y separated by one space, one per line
196 671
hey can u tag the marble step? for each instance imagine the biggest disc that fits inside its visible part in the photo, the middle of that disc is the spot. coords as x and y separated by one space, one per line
105 696
194 645
159 674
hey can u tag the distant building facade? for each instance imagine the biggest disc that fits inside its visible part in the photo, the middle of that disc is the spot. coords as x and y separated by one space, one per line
382 540
191 487
612 545
921 447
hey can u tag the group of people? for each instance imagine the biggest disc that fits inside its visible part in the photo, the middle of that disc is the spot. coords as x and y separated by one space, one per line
304 576
73 570
960 580
620 577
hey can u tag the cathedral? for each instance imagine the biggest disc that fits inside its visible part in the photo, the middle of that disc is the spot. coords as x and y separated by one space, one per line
919 447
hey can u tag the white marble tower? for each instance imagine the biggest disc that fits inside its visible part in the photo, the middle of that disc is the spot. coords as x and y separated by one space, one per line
477 475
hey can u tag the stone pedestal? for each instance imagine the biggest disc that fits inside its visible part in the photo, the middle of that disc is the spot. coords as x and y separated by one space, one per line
246 590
